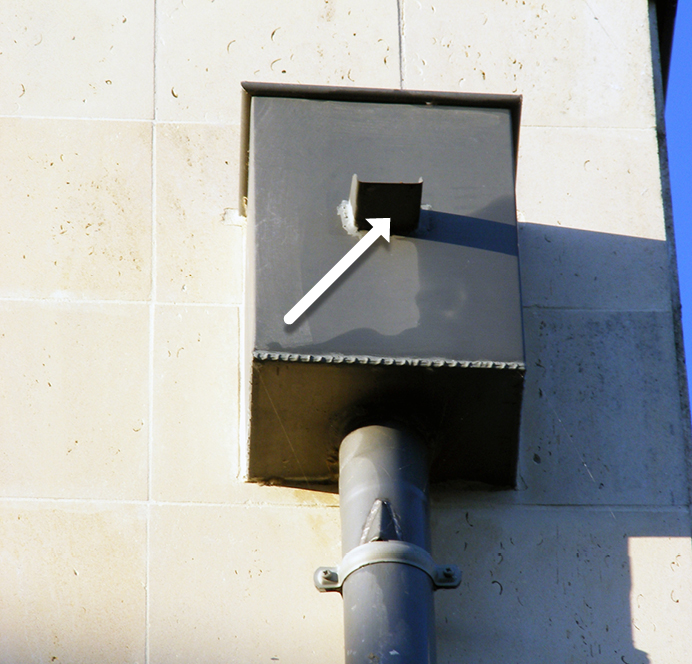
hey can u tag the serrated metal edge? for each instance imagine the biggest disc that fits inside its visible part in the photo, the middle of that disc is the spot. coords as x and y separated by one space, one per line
263 355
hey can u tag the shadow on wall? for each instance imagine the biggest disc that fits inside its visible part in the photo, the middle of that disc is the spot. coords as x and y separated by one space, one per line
562 586
582 563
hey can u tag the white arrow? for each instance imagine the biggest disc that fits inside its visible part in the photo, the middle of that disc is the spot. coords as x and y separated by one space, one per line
379 227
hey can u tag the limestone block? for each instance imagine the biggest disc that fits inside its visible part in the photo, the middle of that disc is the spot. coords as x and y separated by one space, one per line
234 584
77 58
601 420
564 584
76 213
199 235
204 50
74 400
72 582
660 577
602 180
567 59
196 407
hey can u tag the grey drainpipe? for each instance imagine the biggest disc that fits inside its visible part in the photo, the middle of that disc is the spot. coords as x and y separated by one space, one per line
387 575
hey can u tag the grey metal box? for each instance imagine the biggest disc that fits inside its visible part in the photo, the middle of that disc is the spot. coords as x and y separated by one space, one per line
425 329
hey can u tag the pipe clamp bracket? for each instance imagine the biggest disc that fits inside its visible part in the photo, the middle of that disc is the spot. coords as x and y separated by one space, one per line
331 579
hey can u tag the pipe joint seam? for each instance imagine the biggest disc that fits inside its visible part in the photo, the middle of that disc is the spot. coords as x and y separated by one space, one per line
331 579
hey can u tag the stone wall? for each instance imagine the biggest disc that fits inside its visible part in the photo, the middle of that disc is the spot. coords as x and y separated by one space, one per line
126 534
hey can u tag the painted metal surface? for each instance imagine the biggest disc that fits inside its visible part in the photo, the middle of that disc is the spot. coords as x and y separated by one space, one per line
447 296
383 492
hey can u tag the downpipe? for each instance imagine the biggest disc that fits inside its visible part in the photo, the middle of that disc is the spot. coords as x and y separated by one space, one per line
387 575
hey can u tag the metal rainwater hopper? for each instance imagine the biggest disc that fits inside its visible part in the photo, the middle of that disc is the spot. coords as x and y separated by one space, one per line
425 330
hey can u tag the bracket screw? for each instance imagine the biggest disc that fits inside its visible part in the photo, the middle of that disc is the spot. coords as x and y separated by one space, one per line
448 573
328 575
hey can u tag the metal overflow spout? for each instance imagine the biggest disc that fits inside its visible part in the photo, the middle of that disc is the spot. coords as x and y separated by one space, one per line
387 575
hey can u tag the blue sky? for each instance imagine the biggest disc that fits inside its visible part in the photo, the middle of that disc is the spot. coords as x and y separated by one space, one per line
679 133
